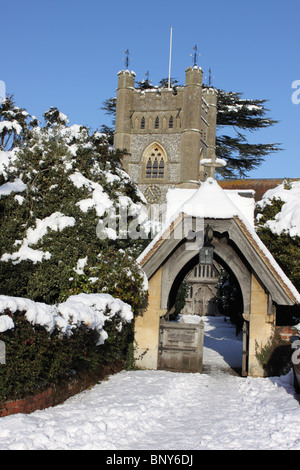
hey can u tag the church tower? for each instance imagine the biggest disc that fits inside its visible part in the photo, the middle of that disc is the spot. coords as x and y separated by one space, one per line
166 131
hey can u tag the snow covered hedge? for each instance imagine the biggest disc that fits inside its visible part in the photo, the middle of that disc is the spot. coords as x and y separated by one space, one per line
68 296
286 219
46 342
58 186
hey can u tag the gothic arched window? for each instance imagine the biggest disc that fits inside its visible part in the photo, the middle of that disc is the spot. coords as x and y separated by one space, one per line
155 162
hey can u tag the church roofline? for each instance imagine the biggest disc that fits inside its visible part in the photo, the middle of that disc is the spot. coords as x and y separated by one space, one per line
259 185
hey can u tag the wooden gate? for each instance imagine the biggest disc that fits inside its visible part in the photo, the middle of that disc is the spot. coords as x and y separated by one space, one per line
181 346
245 349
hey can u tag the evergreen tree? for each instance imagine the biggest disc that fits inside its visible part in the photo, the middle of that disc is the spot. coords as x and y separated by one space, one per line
286 251
14 123
241 115
145 84
64 183
109 107
229 299
164 83
282 243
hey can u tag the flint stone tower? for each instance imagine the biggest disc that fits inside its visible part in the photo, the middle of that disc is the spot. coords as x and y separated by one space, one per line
166 133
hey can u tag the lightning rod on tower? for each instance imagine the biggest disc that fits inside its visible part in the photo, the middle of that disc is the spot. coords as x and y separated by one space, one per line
170 56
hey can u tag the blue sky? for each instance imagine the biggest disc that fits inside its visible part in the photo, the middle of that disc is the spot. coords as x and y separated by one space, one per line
67 54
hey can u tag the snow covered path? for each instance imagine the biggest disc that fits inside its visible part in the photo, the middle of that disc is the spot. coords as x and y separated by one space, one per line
164 410
159 410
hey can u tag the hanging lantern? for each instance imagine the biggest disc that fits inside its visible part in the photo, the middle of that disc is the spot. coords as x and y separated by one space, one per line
206 254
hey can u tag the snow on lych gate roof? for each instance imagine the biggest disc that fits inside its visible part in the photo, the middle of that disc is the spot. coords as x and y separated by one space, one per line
210 200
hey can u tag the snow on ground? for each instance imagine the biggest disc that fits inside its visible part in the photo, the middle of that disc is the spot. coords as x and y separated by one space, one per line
159 410
222 348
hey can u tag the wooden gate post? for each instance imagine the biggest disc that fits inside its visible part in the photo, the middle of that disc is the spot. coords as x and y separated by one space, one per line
2 353
200 345
245 349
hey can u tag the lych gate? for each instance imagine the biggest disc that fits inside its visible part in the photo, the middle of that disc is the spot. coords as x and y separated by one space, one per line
236 247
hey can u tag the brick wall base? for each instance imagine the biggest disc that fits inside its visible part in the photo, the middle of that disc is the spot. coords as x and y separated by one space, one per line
287 331
57 394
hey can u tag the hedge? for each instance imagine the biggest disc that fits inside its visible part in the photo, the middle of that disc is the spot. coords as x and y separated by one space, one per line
36 358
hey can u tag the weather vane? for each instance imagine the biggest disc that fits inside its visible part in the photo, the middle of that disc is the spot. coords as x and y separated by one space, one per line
127 59
194 55
210 77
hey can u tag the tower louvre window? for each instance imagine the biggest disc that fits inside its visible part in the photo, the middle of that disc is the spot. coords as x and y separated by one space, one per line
156 124
143 123
155 168
171 122
161 168
149 168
